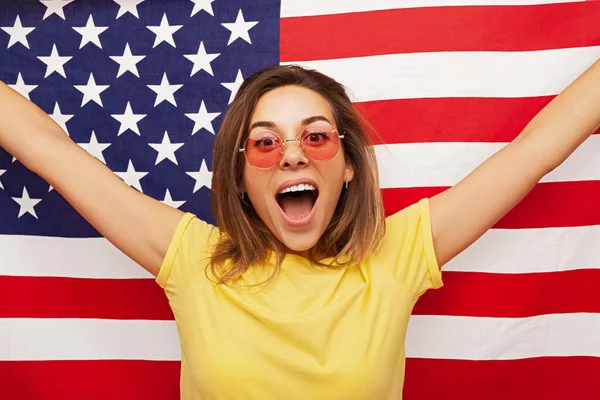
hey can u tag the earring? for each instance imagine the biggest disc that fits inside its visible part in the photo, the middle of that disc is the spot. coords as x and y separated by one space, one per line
346 183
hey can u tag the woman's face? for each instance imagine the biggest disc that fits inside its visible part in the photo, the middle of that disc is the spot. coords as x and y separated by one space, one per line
297 219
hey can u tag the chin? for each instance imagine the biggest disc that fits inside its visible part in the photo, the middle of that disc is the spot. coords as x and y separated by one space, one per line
302 242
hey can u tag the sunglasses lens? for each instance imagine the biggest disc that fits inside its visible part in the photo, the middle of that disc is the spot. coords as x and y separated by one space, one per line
320 141
263 149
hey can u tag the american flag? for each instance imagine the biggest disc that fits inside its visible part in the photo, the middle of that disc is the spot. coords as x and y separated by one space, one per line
144 85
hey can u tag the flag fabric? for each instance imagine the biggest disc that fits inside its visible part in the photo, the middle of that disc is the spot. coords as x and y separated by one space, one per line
144 85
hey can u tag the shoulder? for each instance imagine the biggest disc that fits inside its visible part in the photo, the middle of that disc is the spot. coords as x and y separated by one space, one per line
407 248
190 247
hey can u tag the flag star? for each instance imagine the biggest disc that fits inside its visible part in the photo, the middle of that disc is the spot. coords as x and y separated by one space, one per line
55 62
60 118
26 204
164 32
132 177
128 120
127 62
239 28
166 149
128 6
95 148
202 60
200 5
22 88
203 177
170 202
203 119
2 171
90 32
234 86
55 7
165 91
18 33
91 91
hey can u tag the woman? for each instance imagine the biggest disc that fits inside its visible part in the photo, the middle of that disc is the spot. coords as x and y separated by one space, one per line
304 290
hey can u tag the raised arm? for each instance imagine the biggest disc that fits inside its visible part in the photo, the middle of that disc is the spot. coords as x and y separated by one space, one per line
461 214
138 225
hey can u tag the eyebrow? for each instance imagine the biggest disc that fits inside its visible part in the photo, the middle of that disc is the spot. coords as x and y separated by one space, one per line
305 121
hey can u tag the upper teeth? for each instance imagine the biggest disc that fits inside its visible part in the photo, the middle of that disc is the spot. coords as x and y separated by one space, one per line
297 188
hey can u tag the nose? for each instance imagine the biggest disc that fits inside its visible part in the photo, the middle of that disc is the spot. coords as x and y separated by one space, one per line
292 155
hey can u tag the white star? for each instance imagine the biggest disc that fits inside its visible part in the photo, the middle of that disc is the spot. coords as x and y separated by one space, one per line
164 32
2 171
129 6
90 33
18 33
95 148
165 91
60 118
200 5
55 7
239 28
132 177
203 119
91 91
127 62
166 149
234 86
128 120
203 176
26 204
201 60
22 88
170 202
55 62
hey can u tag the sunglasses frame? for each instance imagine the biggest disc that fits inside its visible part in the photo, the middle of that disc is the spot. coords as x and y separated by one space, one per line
284 142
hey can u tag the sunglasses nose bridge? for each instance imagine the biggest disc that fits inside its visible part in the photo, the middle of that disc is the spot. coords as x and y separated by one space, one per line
284 144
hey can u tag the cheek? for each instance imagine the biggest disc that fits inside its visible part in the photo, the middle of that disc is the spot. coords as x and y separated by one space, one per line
255 185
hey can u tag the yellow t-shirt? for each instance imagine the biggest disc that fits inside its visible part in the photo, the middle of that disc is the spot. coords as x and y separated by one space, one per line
313 333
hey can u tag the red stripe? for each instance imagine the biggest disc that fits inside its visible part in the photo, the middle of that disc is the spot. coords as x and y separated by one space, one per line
513 295
534 378
90 380
450 119
471 119
553 204
548 378
51 297
433 29
464 293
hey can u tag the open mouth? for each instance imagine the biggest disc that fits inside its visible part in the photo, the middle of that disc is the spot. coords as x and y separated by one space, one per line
297 201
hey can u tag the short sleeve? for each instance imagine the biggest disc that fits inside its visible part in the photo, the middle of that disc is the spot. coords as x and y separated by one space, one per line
188 253
408 247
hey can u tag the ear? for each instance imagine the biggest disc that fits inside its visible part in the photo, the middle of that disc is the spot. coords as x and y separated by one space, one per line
349 171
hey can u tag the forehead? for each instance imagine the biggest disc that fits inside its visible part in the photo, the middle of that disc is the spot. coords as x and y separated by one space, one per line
287 106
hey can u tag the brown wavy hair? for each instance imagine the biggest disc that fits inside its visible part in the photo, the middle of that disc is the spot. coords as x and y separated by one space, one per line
358 223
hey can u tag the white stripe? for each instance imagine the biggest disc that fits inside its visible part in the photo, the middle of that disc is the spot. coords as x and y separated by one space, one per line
445 337
303 8
87 339
458 74
476 338
505 251
445 164
65 257
517 251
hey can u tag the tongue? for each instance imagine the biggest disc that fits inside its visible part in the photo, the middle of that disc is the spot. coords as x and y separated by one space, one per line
297 206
